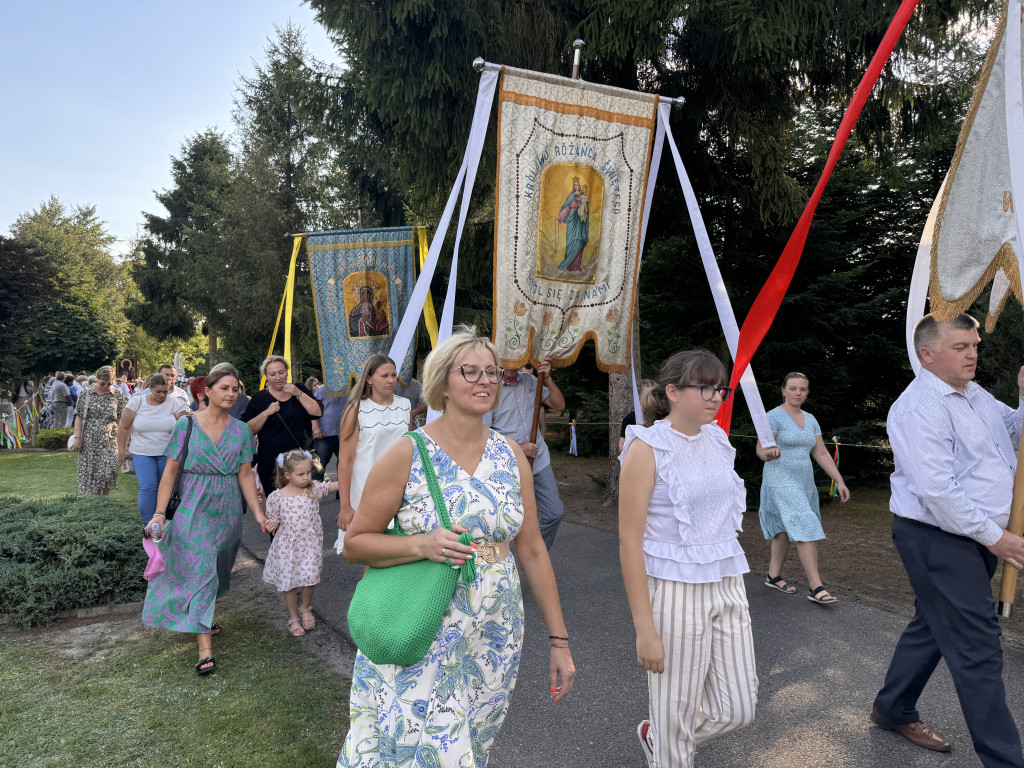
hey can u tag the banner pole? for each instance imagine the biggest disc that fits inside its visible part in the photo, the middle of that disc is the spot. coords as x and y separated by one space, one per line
536 409
1015 525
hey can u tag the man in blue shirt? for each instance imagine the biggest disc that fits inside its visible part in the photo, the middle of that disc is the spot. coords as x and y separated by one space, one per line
514 418
953 445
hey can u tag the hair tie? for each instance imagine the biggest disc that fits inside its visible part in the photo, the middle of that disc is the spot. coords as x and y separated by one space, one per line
280 460
308 455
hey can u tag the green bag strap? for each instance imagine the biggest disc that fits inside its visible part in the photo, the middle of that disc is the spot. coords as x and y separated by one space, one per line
467 572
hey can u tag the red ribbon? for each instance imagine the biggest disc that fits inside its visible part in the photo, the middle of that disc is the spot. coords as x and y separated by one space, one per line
766 305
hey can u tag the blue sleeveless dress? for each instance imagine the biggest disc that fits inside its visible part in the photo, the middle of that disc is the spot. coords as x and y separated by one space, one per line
789 499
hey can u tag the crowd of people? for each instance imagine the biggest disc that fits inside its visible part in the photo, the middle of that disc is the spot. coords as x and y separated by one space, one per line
681 505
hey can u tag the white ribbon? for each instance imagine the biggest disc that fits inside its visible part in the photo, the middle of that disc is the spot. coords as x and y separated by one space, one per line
652 177
919 280
725 314
467 173
1015 122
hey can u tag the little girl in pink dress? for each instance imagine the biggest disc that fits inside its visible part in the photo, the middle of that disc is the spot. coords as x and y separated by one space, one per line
295 558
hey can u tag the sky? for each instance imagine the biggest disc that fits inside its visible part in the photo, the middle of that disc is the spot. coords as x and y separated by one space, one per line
97 96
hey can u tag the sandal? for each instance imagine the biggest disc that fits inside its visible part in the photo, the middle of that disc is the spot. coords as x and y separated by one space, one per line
777 582
205 666
308 622
821 596
295 627
215 629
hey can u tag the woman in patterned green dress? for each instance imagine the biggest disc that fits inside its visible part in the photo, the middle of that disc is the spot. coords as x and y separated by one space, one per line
200 543
96 416
446 709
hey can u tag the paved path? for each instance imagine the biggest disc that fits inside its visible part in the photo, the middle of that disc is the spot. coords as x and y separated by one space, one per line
819 669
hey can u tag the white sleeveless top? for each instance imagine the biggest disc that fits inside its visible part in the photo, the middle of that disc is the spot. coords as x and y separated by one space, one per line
696 507
380 426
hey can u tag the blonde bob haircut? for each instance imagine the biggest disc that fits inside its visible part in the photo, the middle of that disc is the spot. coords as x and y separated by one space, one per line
270 361
448 353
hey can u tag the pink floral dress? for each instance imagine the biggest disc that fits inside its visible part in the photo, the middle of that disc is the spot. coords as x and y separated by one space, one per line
296 555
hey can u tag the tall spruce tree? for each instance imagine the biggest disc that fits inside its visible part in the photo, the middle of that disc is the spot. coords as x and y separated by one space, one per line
765 85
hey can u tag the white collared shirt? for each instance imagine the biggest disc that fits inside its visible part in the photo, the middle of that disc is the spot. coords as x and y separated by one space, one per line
954 456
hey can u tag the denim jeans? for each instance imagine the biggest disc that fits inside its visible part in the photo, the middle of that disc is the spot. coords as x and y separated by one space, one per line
148 471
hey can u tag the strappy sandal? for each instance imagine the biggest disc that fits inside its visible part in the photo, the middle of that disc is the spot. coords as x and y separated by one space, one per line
777 582
215 629
295 627
308 621
817 597
205 666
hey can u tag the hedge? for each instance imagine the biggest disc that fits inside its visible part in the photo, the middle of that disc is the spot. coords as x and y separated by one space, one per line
67 552
54 439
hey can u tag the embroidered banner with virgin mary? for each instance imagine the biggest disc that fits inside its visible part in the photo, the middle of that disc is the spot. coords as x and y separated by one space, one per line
361 283
573 161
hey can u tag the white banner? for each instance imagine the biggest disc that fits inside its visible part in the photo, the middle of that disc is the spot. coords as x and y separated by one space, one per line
573 162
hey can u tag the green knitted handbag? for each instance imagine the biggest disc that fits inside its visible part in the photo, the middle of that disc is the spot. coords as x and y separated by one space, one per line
396 611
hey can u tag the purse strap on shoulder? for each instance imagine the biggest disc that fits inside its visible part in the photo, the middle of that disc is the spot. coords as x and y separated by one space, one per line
431 477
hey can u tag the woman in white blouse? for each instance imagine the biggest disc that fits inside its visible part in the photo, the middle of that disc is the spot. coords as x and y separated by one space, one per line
681 506
148 419
372 422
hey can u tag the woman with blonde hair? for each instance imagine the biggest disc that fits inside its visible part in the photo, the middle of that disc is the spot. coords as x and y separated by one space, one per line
425 711
281 416
97 414
680 510
373 419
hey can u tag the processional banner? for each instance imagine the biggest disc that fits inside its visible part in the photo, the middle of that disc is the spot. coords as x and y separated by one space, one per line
361 283
573 162
975 229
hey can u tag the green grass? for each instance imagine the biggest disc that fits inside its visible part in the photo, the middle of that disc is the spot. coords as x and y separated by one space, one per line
37 475
140 703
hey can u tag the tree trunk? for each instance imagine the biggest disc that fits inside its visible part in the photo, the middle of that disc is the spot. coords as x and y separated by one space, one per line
213 350
620 402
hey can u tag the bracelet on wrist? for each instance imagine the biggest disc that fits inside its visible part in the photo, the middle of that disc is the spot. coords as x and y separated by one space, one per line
556 637
160 514
559 645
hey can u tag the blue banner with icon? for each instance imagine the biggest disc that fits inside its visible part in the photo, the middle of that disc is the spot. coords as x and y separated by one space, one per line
361 280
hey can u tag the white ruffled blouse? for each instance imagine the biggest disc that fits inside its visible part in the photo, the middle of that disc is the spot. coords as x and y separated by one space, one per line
696 509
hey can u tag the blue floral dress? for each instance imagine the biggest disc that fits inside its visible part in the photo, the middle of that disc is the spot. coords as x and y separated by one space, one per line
789 499
446 709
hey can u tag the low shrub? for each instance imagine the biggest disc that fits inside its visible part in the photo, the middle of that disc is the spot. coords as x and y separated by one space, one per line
67 552
54 439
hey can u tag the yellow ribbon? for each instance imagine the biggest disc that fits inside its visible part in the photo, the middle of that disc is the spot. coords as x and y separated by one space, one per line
287 301
429 319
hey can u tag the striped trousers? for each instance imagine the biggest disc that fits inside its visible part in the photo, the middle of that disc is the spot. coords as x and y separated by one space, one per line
709 686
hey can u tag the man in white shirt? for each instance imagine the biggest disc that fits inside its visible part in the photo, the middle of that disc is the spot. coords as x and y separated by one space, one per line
514 418
171 375
953 445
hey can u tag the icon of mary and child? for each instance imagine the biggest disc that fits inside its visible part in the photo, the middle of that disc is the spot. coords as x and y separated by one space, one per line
575 214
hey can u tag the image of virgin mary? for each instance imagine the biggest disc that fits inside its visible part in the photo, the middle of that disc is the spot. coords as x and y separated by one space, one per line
575 215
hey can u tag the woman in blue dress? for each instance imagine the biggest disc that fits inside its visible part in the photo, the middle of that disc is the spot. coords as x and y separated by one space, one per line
789 499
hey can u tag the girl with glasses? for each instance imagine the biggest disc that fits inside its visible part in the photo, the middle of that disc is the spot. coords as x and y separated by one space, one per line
681 507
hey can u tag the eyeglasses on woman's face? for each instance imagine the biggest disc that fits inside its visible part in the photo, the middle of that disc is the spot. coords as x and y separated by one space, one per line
707 392
473 373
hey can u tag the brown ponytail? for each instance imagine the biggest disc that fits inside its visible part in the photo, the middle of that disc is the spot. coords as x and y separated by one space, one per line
694 366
